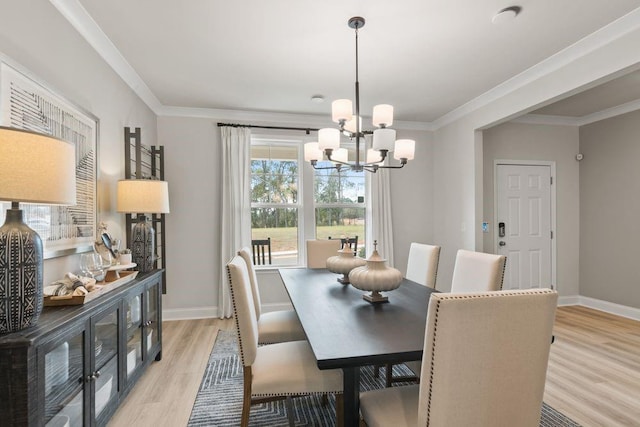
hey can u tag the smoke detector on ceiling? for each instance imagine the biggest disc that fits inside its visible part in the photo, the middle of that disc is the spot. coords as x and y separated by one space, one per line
507 14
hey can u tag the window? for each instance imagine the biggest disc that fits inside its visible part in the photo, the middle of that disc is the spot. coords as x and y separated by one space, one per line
275 205
340 204
288 209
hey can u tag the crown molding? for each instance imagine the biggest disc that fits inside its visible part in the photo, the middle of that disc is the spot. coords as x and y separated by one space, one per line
593 41
544 119
80 19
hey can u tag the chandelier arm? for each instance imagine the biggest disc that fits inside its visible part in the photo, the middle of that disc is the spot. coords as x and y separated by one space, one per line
400 166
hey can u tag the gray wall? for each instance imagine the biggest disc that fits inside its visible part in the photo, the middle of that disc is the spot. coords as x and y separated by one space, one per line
610 210
518 141
35 36
193 166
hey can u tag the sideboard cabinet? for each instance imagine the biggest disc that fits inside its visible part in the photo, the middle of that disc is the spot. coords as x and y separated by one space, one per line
79 362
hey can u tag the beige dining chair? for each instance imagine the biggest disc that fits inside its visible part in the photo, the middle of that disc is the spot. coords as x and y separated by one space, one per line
484 363
273 326
274 371
472 272
319 250
422 267
477 272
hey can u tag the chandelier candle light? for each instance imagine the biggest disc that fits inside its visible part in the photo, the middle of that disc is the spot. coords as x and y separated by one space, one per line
384 138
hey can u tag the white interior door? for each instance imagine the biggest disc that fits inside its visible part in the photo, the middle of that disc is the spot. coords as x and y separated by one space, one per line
523 226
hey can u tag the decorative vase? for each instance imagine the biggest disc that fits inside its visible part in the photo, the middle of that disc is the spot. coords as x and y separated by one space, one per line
343 263
375 277
143 246
21 296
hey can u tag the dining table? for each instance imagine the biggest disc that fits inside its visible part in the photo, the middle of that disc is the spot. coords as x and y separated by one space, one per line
347 332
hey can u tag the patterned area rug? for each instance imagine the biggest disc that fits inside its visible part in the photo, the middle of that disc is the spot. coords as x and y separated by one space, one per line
219 400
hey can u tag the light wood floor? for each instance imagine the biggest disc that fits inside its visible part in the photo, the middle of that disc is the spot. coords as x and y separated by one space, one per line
593 375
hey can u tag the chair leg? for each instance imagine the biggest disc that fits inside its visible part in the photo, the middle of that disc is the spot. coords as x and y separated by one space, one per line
376 371
246 399
289 406
339 410
325 399
388 375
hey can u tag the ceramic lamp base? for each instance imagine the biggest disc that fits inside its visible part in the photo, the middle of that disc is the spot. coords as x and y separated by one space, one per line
375 298
21 297
143 245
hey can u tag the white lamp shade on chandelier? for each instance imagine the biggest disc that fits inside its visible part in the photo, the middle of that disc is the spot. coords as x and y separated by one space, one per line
350 124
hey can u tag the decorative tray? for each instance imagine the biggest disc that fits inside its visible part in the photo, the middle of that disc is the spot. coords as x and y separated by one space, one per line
101 289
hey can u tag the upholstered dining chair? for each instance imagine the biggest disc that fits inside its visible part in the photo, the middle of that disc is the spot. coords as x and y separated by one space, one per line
319 250
477 272
473 272
274 326
422 267
274 371
484 363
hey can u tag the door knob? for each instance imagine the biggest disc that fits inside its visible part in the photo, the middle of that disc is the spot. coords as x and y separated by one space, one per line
502 243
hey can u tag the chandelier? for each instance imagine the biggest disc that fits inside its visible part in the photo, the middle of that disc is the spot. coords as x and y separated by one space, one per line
350 125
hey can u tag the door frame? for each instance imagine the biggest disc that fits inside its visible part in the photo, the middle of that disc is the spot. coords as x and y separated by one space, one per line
552 195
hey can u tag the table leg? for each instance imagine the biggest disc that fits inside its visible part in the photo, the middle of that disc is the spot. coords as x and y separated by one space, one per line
351 390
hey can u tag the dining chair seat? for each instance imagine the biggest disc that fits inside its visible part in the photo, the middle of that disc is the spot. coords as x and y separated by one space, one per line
274 326
289 368
391 406
279 326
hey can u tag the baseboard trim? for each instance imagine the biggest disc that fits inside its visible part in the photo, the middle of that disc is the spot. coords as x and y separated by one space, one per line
189 313
606 306
596 304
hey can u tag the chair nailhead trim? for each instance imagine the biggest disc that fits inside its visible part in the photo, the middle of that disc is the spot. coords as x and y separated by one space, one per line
235 315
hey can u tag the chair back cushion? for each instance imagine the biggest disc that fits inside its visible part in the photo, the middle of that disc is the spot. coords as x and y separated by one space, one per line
245 253
422 266
477 272
243 310
485 358
319 250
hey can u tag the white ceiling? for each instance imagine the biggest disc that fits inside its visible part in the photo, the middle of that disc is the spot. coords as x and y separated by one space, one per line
425 57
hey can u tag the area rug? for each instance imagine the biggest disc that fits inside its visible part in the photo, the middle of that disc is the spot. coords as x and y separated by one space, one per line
219 400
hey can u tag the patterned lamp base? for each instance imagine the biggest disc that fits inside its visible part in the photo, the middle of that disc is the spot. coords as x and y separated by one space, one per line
20 274
143 246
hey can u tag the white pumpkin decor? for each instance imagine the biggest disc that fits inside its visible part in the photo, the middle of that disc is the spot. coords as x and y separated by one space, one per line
343 263
375 277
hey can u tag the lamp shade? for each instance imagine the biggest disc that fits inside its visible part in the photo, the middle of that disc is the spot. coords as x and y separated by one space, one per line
405 149
350 125
341 109
328 138
340 155
382 115
36 168
142 196
384 139
312 152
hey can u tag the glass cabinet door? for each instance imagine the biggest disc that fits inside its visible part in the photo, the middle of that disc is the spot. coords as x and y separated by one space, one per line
133 307
64 382
151 309
105 349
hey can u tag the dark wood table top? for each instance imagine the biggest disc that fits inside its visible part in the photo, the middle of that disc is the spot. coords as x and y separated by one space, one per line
344 330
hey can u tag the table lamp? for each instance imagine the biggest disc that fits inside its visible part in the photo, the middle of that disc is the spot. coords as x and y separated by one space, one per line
34 168
142 196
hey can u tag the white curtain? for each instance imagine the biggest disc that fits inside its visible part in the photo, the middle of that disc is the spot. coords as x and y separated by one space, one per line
236 204
379 216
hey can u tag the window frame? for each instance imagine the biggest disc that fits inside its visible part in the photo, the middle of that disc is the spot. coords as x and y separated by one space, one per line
306 204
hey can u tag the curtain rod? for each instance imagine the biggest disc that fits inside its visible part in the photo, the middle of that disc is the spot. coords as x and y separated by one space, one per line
236 125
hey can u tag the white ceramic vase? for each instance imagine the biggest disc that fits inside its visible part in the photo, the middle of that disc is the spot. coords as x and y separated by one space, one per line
343 263
375 277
